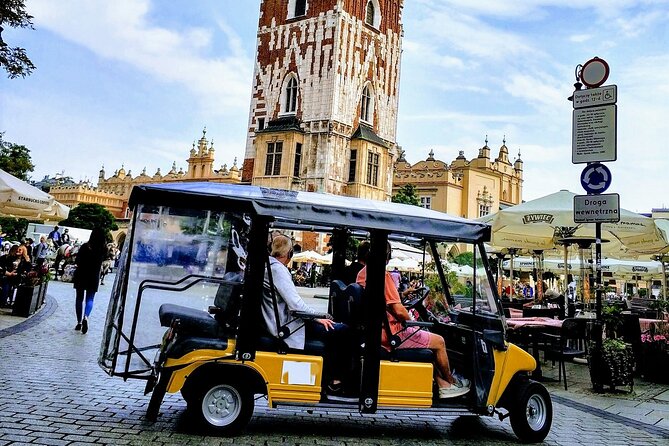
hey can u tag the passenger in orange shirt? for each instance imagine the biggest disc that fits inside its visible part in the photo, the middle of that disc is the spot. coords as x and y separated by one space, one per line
450 384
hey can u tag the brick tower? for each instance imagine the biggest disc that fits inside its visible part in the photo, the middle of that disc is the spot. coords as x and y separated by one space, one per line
325 94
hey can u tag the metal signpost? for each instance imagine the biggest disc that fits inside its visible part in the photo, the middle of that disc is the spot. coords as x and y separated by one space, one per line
594 140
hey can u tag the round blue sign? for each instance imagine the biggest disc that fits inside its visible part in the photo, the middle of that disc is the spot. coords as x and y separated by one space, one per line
595 178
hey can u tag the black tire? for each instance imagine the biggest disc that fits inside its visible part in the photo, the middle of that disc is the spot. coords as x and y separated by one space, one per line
531 412
221 406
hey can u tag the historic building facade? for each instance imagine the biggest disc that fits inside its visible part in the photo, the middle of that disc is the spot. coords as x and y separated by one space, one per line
113 192
467 188
323 113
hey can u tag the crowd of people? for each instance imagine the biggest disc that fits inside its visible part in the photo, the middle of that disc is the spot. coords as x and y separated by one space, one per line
22 261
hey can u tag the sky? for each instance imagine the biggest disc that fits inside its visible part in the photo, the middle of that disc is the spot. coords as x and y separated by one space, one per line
134 82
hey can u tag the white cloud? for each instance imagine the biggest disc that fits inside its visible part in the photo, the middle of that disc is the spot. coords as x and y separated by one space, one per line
121 31
580 38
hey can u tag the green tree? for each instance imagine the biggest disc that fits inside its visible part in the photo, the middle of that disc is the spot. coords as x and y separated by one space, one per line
14 60
89 216
466 258
15 159
13 228
407 195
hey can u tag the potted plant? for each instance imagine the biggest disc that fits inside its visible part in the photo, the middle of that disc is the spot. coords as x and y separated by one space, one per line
611 363
31 291
659 305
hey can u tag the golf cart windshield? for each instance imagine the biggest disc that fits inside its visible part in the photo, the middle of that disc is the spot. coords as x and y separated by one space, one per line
175 256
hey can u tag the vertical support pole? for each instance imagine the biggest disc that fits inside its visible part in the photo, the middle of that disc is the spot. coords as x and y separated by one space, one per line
251 313
598 270
664 279
374 305
566 281
338 241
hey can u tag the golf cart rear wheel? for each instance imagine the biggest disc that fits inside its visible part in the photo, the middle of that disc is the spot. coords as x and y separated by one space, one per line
223 407
532 412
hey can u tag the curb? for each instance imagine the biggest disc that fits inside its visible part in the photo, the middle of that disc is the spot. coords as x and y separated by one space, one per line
47 310
651 429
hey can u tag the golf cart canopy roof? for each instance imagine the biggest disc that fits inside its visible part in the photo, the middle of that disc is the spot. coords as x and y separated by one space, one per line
314 209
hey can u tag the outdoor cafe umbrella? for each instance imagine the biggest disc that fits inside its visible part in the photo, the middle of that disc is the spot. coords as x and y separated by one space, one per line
307 257
540 224
20 199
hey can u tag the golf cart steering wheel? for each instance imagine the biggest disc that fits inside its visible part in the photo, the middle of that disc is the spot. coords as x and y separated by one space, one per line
415 297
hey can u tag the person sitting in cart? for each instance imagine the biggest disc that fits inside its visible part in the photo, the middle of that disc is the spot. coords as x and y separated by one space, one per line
450 384
335 335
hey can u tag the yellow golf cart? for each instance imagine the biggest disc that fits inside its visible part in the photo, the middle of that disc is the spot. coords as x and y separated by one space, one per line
185 313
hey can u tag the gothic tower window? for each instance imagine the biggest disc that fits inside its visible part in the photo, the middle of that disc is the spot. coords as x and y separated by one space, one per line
373 13
298 160
300 7
367 105
352 166
373 169
273 163
297 8
290 95
369 13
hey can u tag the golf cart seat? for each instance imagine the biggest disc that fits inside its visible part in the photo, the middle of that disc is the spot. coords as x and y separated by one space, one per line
269 343
191 321
408 354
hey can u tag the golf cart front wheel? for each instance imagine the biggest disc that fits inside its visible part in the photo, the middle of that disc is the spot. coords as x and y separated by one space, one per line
532 413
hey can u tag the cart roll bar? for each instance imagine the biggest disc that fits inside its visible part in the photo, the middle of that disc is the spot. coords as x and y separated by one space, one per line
157 285
374 304
251 316
440 271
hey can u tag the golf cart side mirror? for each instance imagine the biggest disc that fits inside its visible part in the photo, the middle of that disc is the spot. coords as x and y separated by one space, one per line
495 338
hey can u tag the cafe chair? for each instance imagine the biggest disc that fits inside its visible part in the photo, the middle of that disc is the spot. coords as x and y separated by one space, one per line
565 346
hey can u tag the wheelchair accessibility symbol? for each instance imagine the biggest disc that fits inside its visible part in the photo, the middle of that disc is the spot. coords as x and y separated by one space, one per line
596 178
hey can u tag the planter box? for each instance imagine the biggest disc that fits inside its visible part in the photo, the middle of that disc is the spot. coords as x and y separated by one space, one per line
26 301
612 369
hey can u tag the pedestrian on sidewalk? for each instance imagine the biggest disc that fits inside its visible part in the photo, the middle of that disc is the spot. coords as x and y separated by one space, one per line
40 252
86 277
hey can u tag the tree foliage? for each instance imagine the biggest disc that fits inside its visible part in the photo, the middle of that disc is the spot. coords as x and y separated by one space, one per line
466 258
15 159
13 228
15 61
89 216
407 195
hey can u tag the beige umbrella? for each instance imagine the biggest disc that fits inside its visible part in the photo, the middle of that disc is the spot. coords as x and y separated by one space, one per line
307 257
539 225
20 199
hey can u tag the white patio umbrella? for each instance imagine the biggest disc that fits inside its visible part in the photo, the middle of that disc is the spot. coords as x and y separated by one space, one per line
540 224
404 251
405 265
536 224
20 199
307 257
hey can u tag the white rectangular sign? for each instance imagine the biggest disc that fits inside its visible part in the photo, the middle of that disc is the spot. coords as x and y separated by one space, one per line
604 208
594 135
595 96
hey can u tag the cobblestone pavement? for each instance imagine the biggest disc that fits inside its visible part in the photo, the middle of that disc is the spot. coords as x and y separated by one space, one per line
52 392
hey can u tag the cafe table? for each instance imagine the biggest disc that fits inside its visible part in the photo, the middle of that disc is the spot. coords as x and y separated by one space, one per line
530 329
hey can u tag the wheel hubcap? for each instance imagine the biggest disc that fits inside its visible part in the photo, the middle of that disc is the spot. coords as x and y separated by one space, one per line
536 412
221 405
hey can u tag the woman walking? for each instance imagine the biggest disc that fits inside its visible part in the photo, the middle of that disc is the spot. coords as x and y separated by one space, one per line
86 277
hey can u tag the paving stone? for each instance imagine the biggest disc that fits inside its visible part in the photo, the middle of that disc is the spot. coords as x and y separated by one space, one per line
76 402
